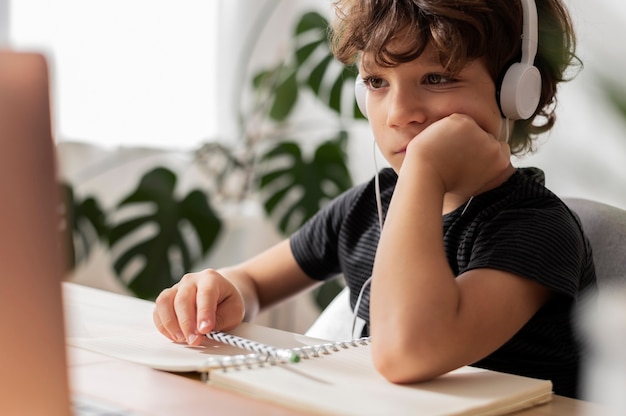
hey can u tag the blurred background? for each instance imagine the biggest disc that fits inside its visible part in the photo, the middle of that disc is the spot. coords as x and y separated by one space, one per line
198 94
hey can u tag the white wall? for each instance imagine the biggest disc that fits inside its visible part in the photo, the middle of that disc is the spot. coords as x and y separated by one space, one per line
585 155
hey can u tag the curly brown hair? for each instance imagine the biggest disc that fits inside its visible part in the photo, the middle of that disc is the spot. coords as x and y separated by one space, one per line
461 31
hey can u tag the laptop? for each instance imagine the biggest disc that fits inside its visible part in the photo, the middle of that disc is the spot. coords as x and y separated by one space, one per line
33 364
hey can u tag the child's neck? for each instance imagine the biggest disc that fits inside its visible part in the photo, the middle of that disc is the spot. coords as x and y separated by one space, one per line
452 202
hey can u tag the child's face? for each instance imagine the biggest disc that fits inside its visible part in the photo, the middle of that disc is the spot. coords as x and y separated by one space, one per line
404 100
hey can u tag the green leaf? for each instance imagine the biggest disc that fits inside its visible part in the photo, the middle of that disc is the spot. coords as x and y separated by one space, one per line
312 63
311 21
164 256
325 64
86 225
311 33
285 97
617 98
196 209
334 100
317 74
267 78
303 52
318 180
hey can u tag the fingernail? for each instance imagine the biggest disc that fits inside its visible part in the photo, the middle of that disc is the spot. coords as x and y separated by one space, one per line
192 338
204 326
180 337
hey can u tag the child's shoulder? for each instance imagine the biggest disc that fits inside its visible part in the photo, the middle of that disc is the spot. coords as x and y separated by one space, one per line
525 197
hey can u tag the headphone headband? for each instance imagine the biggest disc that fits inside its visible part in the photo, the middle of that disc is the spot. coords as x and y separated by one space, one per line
530 32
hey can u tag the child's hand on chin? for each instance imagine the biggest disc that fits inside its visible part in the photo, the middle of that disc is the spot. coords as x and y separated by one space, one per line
464 157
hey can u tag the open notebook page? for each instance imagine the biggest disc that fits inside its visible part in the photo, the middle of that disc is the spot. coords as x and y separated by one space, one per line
347 383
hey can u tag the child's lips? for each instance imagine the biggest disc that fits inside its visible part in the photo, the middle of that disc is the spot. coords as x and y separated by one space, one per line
403 145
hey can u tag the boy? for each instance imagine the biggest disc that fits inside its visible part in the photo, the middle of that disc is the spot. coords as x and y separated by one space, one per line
477 262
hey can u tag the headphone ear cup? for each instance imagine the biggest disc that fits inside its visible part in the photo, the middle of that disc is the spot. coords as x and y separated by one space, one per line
520 91
360 93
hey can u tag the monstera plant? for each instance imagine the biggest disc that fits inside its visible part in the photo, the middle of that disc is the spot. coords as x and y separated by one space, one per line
293 183
149 250
292 180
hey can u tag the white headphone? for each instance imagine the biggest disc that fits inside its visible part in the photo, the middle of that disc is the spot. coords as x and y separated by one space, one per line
520 90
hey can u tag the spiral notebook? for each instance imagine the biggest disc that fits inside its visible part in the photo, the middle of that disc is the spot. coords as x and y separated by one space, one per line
327 377
345 382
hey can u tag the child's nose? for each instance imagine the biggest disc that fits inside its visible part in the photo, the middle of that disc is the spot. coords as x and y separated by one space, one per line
405 107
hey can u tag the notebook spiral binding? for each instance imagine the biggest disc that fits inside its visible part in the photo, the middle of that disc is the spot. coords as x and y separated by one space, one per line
277 356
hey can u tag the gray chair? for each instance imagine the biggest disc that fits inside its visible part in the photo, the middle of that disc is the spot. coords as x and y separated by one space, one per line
605 226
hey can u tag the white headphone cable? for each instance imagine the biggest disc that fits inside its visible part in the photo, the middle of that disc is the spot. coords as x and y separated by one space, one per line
379 204
379 208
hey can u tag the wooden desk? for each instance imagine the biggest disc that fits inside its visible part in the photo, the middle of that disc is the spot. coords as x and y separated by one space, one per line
152 392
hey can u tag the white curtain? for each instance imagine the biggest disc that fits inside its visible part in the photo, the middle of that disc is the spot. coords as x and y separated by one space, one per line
137 72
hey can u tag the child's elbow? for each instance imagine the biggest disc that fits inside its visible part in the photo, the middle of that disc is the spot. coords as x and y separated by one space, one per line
402 366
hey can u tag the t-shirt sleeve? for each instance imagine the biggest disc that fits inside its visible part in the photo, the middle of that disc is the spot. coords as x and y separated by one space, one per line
315 244
545 244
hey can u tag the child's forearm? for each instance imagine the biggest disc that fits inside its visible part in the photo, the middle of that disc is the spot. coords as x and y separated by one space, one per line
414 297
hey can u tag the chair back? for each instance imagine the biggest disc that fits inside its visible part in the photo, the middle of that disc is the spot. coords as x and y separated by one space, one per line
605 226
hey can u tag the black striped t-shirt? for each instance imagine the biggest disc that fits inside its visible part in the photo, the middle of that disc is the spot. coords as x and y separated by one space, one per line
519 227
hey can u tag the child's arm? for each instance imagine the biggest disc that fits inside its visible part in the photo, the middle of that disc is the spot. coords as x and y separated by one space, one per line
219 300
424 322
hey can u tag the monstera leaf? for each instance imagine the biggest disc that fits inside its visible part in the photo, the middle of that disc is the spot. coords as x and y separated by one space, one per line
160 257
327 77
302 187
311 68
85 225
283 84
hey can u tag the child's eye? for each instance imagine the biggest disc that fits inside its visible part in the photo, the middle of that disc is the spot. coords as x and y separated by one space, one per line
374 83
438 79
